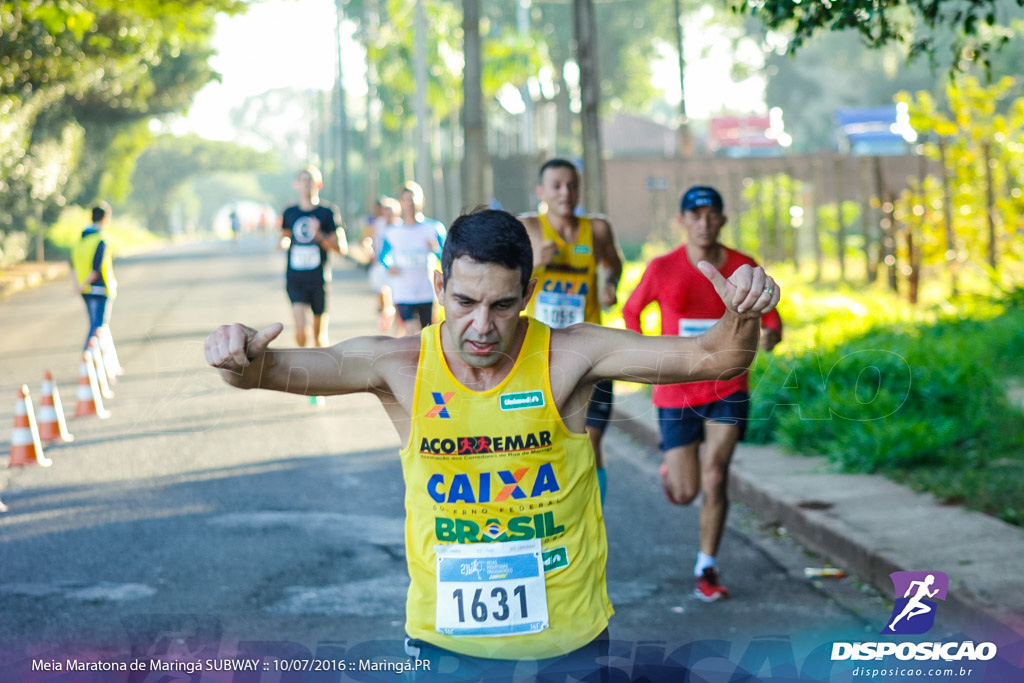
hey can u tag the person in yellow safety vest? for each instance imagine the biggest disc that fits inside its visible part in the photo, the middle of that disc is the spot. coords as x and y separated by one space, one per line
93 270
505 539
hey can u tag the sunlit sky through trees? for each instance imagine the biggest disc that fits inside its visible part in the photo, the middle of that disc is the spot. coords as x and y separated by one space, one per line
288 44
274 44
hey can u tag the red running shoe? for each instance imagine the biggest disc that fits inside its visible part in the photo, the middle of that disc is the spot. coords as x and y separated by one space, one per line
708 588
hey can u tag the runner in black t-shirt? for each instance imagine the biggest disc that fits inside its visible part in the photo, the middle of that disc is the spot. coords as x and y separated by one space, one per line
311 227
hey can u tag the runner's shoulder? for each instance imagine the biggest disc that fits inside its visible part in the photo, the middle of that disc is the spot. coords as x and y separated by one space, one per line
576 348
531 221
600 222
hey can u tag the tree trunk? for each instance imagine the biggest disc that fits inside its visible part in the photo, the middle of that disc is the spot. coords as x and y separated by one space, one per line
887 243
422 160
371 141
438 177
474 160
341 179
811 217
990 205
590 91
913 258
762 224
947 214
564 130
782 202
867 226
685 140
839 183
454 189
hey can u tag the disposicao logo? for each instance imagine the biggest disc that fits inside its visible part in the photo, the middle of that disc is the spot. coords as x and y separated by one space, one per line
913 614
916 593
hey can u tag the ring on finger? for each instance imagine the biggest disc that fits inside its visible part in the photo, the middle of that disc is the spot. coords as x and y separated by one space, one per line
769 289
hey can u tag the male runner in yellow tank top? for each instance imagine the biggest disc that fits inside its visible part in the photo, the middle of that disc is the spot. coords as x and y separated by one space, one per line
505 541
577 265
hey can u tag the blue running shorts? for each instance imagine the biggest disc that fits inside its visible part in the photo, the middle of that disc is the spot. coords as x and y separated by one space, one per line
684 426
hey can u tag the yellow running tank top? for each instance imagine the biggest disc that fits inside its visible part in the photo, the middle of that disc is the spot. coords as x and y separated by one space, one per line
567 287
503 514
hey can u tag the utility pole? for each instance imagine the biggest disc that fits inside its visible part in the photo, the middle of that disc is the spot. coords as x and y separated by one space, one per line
586 56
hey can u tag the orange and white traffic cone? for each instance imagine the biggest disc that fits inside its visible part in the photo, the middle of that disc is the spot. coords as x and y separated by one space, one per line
102 376
26 447
90 402
52 426
110 360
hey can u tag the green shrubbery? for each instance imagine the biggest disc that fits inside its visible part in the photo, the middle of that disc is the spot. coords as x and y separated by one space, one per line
923 402
893 397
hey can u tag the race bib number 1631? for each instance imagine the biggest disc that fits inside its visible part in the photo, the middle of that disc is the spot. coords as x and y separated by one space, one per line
492 589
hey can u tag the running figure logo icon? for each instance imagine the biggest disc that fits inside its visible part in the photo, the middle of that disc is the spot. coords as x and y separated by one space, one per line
916 592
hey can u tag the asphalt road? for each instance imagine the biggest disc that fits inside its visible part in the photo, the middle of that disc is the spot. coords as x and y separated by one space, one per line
203 521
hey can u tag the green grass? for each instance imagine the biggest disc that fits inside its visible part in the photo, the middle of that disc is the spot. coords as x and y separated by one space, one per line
928 395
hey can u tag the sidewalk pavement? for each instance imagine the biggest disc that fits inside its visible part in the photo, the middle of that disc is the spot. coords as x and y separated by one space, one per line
870 527
30 274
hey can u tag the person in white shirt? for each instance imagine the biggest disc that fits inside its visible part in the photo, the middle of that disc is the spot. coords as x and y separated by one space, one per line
410 252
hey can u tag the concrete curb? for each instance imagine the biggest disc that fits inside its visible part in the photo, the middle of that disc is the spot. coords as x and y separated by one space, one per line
871 527
30 274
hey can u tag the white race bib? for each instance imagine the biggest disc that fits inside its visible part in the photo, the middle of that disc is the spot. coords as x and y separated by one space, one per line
415 259
491 589
304 257
694 327
559 310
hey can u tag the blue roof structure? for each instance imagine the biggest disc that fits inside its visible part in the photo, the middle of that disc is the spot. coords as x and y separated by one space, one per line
874 130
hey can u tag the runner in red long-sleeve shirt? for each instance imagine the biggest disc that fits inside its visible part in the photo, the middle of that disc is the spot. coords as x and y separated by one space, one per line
712 412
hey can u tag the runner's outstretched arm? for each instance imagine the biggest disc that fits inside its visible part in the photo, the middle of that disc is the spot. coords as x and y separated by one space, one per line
724 351
245 360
